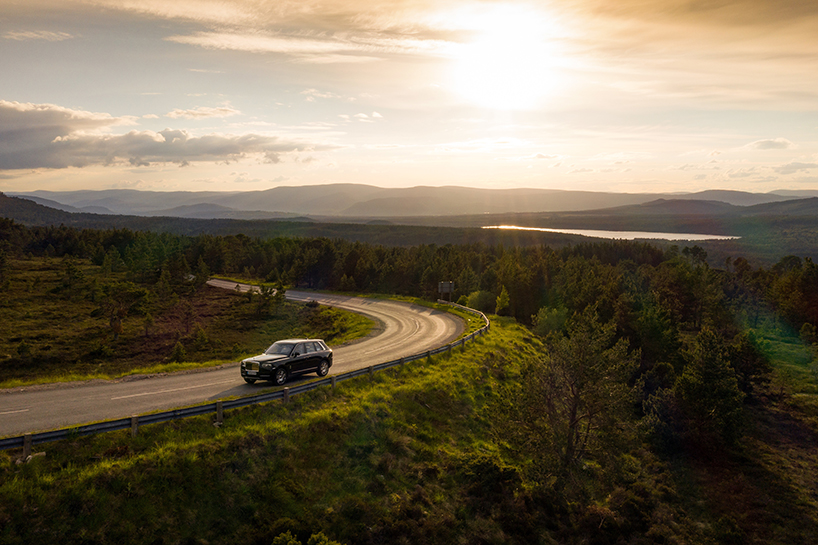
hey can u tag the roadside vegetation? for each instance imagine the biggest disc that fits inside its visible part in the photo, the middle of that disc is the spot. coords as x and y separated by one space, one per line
456 449
66 318
625 394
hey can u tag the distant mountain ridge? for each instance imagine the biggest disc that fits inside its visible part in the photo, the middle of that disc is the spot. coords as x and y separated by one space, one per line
365 201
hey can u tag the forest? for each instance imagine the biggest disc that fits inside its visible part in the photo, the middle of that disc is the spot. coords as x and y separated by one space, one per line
634 353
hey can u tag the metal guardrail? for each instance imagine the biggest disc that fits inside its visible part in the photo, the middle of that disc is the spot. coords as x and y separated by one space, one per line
26 441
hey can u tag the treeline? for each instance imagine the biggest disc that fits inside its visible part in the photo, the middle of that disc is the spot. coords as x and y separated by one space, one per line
615 275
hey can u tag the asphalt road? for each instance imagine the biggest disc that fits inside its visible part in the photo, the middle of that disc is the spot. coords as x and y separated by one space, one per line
403 330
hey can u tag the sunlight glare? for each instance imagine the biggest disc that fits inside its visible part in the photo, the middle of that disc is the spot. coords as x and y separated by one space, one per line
511 64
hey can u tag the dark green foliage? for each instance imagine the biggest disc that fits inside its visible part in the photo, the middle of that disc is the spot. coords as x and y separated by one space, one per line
549 320
749 361
503 302
287 538
708 393
179 353
808 333
483 301
579 390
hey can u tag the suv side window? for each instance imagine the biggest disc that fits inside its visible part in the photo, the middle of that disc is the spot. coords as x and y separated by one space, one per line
299 349
310 347
320 346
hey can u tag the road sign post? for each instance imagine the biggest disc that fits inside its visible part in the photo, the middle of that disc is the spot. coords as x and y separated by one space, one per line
445 287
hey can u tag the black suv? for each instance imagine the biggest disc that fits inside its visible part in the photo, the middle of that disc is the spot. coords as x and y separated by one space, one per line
288 357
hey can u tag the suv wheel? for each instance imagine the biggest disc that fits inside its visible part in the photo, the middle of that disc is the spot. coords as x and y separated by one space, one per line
323 368
280 375
250 380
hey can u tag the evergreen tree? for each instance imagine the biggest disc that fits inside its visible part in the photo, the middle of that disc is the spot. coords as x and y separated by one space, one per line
579 391
709 393
503 302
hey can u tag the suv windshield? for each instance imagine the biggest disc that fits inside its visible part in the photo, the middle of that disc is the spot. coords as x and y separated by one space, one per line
279 348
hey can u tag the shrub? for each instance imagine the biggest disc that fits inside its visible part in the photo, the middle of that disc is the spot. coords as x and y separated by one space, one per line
484 301
549 320
179 354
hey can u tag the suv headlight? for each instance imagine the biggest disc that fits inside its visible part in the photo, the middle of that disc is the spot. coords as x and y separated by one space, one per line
266 366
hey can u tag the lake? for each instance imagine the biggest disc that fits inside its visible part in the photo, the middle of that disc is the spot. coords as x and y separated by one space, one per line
620 235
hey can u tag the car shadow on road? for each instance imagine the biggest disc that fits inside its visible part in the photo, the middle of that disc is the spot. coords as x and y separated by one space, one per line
260 387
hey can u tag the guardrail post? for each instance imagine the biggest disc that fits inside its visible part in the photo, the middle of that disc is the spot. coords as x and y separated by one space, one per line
26 445
371 373
134 425
450 350
219 412
332 381
286 395
402 363
429 355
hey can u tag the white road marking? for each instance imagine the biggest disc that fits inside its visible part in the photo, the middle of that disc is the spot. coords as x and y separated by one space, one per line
173 390
15 412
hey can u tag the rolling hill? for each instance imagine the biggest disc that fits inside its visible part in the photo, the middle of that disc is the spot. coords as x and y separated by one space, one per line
366 201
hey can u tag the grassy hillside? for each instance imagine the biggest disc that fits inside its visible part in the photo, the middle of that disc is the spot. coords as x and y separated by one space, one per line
54 328
428 454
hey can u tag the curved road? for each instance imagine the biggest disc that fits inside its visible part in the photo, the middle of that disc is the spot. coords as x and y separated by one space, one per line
403 330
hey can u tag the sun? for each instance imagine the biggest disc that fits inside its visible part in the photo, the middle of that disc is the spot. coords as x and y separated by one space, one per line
510 64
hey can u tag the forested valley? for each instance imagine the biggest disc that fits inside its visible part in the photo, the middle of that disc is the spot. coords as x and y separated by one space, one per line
631 394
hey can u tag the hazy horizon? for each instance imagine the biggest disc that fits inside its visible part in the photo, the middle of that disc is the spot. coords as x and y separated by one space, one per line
201 95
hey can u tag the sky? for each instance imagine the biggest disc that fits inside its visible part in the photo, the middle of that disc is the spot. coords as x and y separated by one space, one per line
598 95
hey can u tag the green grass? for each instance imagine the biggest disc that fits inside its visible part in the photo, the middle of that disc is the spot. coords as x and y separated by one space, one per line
796 369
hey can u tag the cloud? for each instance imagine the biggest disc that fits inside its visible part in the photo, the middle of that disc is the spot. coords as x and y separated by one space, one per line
50 136
315 47
313 94
363 118
203 112
736 12
743 173
25 35
195 10
774 143
792 168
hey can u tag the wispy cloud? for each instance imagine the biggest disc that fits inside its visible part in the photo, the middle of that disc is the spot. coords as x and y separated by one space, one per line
208 11
313 94
45 35
792 168
309 48
203 112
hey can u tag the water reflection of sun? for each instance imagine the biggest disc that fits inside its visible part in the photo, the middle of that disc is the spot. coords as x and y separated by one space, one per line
511 62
